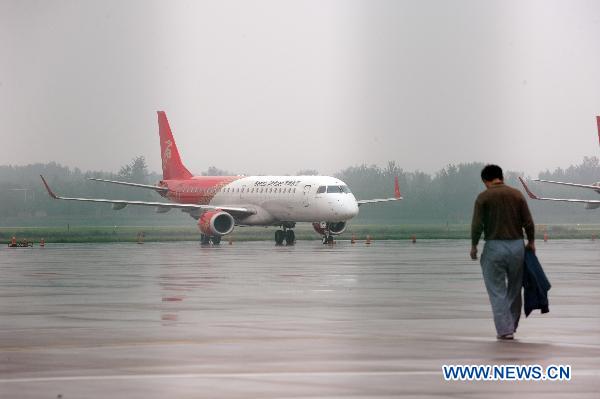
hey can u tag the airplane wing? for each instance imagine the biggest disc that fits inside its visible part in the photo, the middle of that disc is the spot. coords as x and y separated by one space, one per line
535 197
124 183
375 200
396 197
590 186
160 206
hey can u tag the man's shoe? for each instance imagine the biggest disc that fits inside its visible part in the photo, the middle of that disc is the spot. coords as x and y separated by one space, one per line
505 337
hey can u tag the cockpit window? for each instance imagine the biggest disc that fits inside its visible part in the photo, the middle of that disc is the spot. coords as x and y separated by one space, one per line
338 189
321 190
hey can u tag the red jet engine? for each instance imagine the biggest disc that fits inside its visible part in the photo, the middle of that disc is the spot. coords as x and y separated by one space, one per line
216 223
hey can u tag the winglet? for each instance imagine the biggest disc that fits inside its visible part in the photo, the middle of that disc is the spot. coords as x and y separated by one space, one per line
397 188
531 195
50 192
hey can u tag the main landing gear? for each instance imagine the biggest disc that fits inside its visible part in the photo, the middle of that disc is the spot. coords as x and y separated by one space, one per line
205 239
286 234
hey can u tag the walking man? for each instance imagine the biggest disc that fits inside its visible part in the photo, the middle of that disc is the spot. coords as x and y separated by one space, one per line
501 213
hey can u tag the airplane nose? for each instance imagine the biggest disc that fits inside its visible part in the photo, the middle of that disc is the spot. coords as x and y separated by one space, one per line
351 207
344 207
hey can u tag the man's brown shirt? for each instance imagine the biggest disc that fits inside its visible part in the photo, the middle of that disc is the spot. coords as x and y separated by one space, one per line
501 213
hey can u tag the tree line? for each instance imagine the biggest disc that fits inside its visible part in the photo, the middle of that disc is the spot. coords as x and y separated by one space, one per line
447 196
443 197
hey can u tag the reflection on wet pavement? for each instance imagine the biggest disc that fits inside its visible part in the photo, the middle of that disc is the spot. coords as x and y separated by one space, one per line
255 320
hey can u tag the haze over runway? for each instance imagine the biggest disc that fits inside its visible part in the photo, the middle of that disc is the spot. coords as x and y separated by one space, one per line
270 87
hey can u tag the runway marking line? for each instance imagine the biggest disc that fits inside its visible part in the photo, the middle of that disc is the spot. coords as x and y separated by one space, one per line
578 372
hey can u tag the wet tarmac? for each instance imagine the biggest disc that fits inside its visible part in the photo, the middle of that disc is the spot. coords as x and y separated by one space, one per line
251 320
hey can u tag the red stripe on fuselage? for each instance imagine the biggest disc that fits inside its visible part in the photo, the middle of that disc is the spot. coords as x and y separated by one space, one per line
197 190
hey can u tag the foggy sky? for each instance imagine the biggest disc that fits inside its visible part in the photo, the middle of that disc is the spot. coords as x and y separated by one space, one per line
272 87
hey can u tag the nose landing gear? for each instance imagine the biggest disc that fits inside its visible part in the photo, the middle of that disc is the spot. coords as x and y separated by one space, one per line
328 238
328 229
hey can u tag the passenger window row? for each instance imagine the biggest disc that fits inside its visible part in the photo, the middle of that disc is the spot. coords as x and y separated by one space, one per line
260 190
200 190
270 190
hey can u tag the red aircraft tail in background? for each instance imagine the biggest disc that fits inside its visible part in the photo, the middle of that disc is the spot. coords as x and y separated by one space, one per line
397 188
171 162
598 123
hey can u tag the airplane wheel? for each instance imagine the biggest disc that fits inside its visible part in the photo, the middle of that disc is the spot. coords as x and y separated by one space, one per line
204 239
216 240
328 240
279 236
290 237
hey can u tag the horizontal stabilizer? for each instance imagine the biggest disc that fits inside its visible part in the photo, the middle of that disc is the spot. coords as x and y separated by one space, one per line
125 183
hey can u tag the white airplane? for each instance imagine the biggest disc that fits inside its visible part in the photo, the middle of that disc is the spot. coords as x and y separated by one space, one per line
589 204
219 203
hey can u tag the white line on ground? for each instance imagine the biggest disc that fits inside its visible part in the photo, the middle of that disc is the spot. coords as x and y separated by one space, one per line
576 373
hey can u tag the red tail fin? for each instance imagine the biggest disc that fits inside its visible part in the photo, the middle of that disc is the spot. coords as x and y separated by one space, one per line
171 162
396 188
598 123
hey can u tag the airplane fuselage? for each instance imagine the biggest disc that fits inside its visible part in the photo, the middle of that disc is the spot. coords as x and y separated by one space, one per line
274 199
